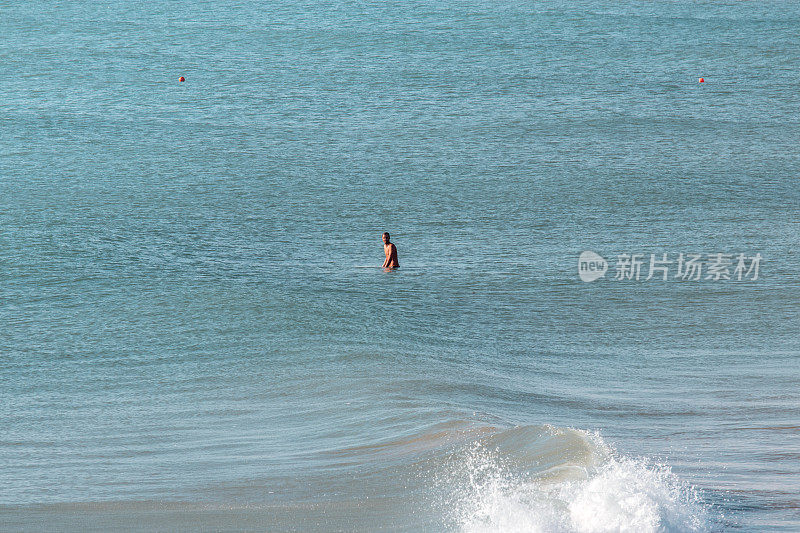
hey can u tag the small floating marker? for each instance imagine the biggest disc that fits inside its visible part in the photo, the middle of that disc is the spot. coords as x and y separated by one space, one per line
182 79
702 80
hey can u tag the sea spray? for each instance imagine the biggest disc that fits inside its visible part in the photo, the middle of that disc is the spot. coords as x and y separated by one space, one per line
597 491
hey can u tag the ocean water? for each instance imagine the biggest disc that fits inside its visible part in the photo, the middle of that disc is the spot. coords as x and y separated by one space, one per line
195 333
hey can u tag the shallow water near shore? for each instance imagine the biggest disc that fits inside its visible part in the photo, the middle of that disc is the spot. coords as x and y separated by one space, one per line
195 331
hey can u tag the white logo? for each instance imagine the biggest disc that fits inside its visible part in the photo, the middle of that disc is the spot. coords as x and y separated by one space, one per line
689 266
591 266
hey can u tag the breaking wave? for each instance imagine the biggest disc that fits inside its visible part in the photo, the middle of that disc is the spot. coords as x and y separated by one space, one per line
548 479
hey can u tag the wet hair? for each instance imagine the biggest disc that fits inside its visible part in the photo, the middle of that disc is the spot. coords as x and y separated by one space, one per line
386 234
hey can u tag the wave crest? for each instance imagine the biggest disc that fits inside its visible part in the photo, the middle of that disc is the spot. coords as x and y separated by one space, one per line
540 478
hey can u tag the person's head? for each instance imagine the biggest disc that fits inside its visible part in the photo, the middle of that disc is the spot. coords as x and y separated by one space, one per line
385 237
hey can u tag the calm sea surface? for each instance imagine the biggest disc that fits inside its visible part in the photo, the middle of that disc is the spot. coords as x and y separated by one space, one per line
195 332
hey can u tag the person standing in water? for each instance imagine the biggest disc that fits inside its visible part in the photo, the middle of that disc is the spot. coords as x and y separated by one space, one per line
391 253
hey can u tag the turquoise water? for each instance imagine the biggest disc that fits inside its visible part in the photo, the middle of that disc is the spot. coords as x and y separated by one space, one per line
196 334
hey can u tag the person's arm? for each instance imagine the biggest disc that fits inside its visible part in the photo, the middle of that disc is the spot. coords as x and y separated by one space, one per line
386 261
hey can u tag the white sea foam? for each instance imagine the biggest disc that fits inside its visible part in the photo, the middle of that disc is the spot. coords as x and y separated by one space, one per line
595 492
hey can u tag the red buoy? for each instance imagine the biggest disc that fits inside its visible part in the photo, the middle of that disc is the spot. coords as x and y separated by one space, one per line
184 79
702 80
